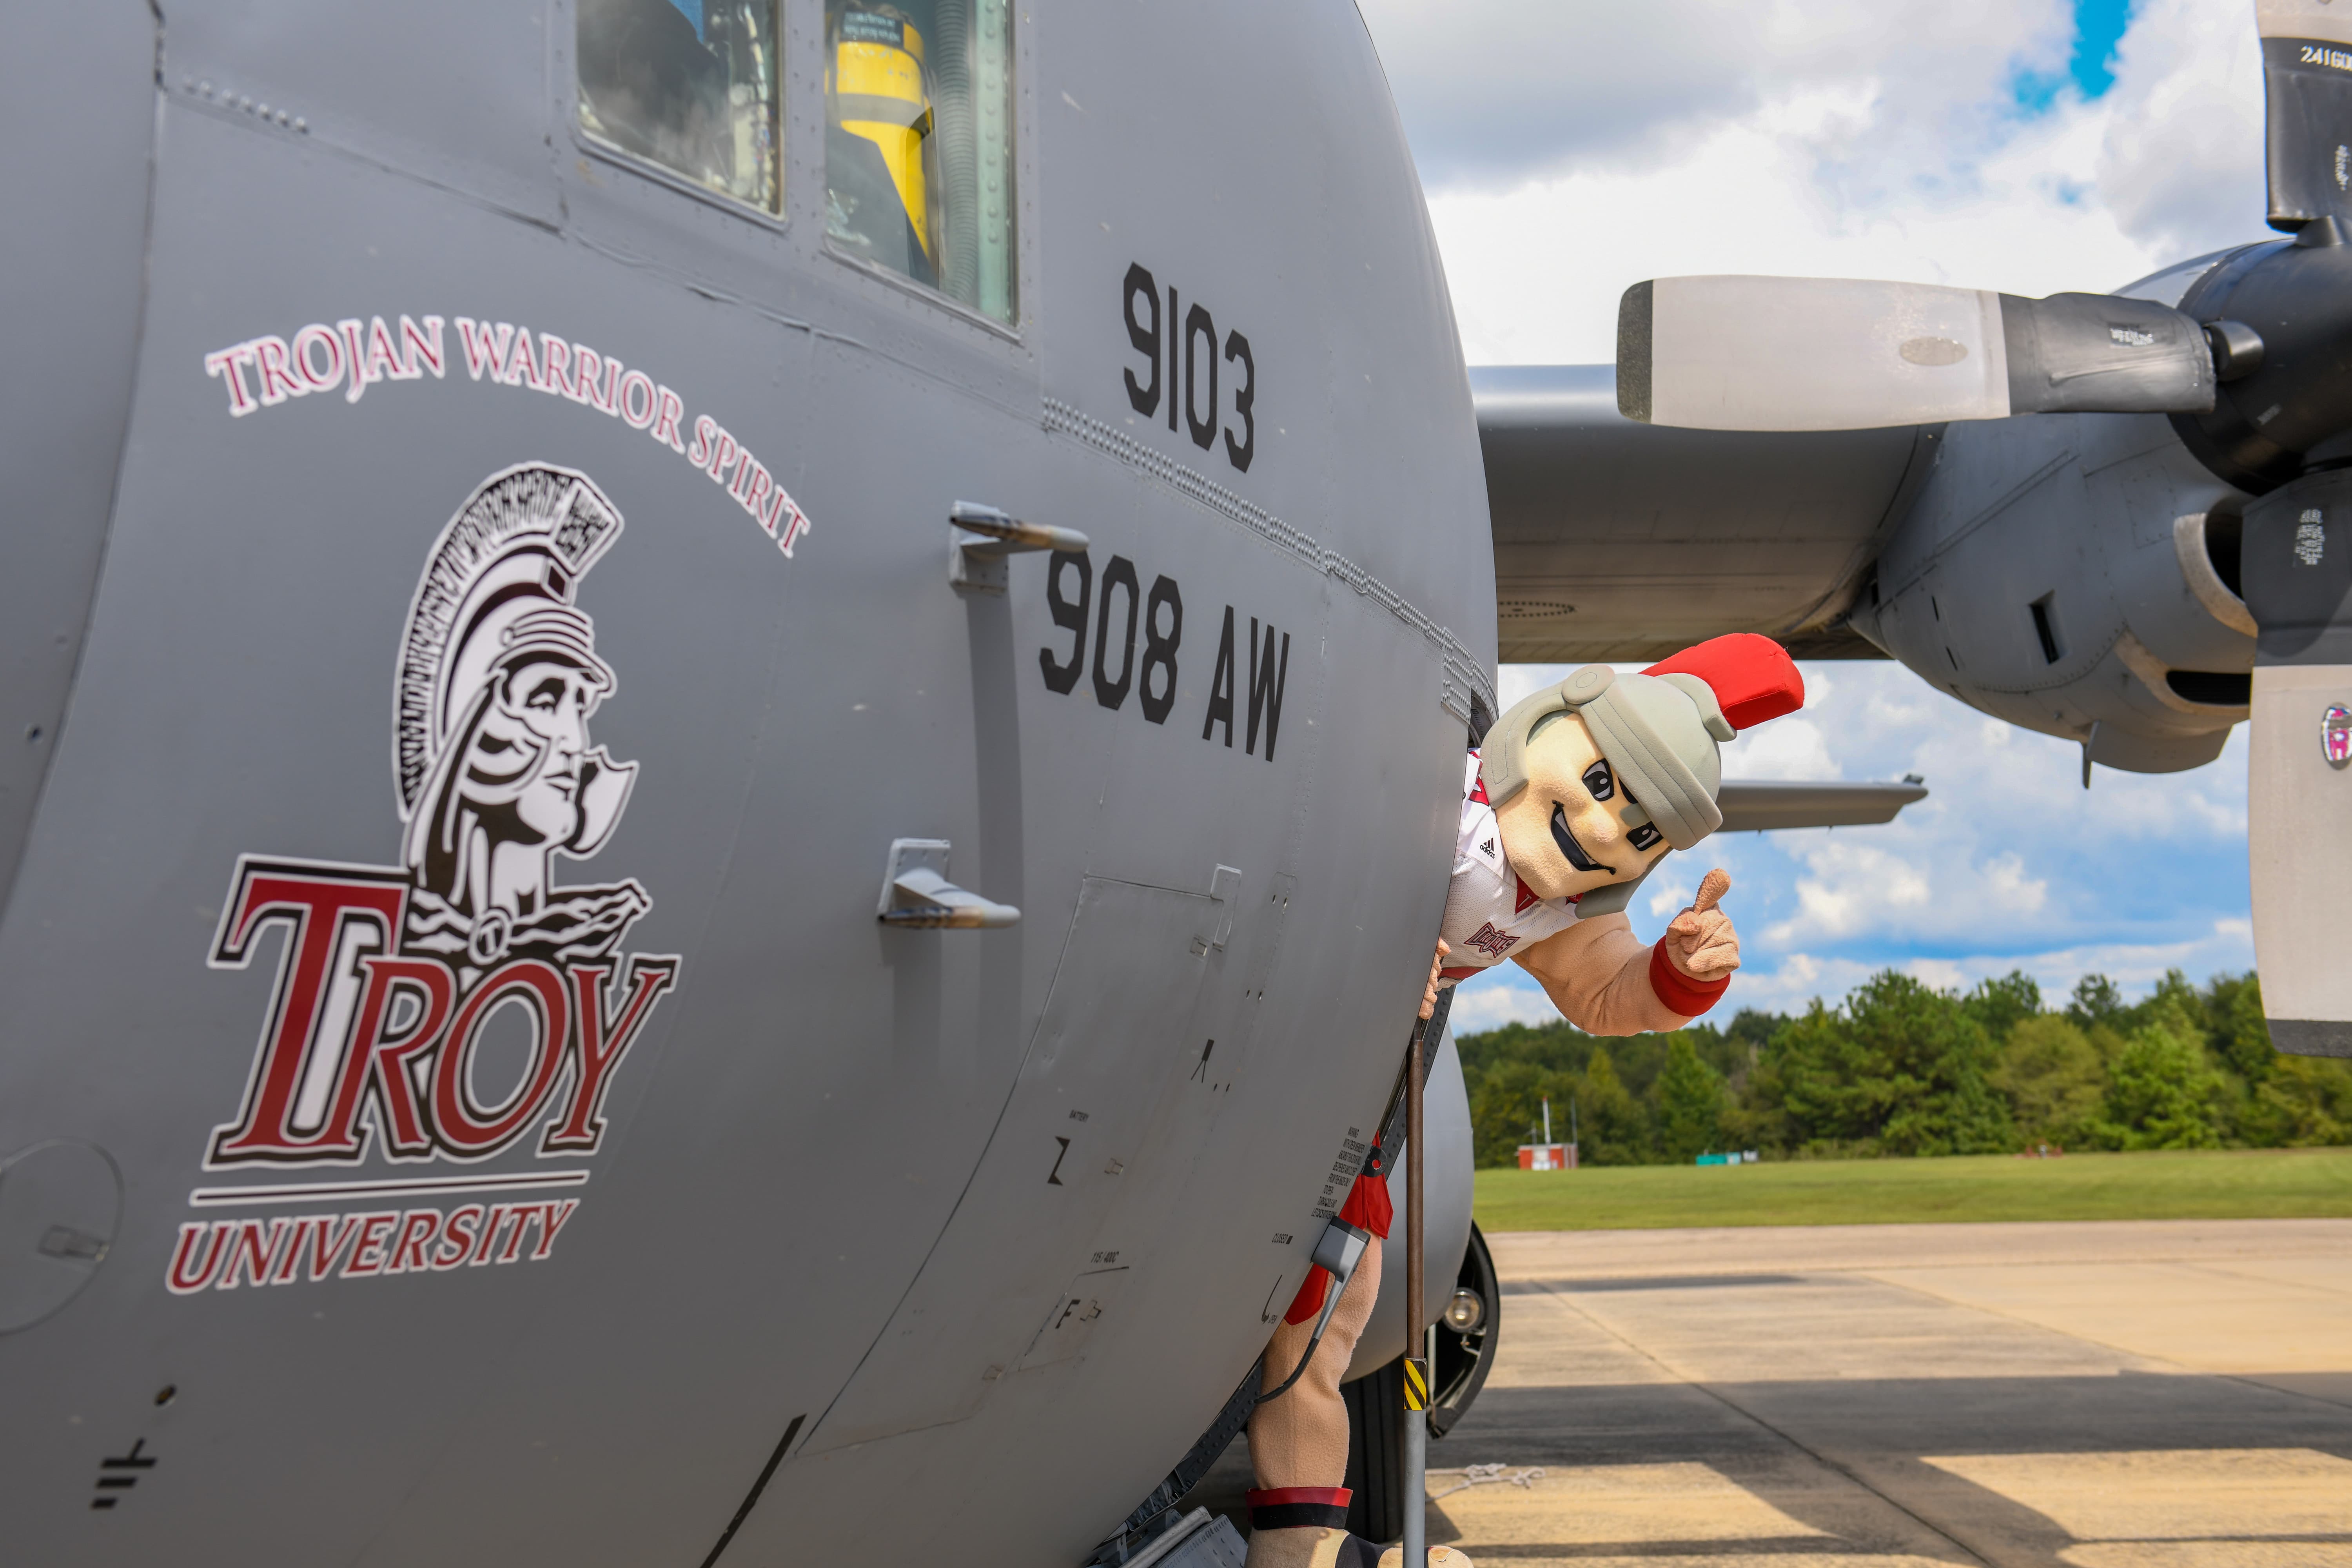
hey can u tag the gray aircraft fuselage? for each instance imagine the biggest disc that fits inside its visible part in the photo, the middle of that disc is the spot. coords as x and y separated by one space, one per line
957 1235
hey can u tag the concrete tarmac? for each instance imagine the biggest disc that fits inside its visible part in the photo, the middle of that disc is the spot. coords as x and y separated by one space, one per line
2175 1394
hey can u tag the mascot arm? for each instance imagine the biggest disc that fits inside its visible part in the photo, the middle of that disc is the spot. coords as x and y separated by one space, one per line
1602 978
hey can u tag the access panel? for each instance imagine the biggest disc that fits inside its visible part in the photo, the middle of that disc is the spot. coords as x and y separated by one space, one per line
1011 1288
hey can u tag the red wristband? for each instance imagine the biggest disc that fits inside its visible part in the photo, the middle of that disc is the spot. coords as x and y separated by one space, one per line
1678 991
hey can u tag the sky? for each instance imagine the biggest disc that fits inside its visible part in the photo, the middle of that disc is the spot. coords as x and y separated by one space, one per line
1571 148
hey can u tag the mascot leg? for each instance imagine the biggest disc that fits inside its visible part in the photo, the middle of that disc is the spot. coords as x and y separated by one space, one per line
1298 1443
1298 1446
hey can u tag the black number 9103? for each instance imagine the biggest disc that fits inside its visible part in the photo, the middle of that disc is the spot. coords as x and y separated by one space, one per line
1185 348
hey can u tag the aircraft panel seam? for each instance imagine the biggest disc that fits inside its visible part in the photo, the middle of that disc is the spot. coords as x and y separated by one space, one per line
1464 676
2075 666
2009 498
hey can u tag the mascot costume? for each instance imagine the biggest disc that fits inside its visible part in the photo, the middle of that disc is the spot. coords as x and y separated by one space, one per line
1576 795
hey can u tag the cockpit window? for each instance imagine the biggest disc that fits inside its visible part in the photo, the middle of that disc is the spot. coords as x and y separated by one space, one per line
689 84
919 144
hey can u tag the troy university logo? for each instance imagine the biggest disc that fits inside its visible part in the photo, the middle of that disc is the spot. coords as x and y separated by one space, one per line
1492 942
394 977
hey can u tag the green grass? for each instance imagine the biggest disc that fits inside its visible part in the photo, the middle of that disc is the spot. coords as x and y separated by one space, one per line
2234 1185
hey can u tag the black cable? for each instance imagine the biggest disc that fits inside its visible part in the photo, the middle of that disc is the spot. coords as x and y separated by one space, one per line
1390 1131
1312 1341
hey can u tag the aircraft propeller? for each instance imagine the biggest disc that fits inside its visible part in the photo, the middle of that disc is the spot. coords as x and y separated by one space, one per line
1834 354
2254 367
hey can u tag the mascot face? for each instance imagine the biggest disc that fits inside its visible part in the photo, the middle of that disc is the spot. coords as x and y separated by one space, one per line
1567 832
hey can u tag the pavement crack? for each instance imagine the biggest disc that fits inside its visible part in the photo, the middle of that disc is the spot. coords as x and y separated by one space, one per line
2250 1380
2171 1368
2237 1276
1684 1377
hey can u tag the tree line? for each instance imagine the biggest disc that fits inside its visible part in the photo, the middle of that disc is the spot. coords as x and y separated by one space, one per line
1901 1067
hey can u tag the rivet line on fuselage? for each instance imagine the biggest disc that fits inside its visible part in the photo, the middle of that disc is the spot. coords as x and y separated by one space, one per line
1464 677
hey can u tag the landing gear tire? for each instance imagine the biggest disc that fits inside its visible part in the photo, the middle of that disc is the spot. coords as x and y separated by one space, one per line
1465 1355
1376 1416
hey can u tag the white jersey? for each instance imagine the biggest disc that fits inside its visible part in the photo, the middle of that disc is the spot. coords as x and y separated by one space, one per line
1490 914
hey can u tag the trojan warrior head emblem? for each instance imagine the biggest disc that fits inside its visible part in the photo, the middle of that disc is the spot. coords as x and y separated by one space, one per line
498 678
393 974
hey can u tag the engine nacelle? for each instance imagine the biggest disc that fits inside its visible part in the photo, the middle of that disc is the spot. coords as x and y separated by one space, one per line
2073 574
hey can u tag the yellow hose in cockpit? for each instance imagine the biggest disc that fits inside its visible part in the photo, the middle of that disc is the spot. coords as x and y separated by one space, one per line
879 94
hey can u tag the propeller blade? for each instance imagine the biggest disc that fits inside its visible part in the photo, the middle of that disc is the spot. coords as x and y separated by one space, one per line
2308 100
1827 353
2296 557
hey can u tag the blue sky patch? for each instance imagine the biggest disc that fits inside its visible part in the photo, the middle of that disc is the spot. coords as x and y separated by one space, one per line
2099 26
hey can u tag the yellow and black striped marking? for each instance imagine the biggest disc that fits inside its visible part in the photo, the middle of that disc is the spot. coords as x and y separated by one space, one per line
1416 1385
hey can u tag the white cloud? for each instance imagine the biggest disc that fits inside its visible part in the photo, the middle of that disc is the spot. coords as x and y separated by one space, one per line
1670 894
2181 149
1572 151
1854 886
1515 682
2224 944
1504 994
1789 748
1793 983
1491 90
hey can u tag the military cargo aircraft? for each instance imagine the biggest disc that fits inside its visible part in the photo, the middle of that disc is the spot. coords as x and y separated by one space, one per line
620 945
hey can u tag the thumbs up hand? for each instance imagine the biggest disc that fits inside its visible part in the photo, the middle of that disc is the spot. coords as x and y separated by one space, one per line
1700 941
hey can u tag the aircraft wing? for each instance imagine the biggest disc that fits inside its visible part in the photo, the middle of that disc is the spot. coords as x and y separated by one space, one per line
1615 539
1755 805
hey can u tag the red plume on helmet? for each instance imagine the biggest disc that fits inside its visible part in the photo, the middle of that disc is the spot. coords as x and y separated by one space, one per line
1752 676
